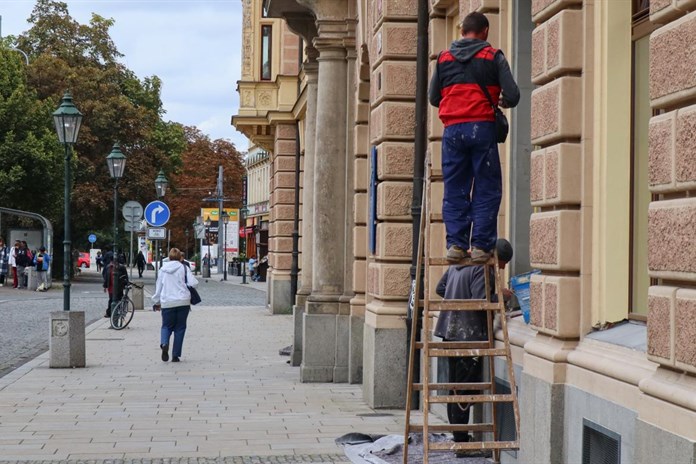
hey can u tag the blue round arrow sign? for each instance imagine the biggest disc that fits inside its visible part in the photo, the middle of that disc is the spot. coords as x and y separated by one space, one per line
92 238
157 213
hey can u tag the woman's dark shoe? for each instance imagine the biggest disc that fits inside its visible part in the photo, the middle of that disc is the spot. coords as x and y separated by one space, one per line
175 359
165 352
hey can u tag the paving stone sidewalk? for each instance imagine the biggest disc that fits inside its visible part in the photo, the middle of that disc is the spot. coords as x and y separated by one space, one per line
232 399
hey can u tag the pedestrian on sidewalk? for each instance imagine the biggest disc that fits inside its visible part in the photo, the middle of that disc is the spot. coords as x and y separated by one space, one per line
467 283
4 261
41 261
119 266
13 263
100 261
140 262
24 260
470 80
173 298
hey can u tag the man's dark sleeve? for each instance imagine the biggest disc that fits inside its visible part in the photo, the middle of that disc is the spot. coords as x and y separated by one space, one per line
442 284
435 92
510 92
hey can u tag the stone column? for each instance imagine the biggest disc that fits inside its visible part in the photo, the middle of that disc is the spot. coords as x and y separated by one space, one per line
311 74
328 258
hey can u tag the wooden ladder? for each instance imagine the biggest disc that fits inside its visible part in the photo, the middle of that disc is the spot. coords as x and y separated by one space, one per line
489 431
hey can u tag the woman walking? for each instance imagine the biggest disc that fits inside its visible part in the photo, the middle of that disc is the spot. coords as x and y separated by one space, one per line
140 262
173 298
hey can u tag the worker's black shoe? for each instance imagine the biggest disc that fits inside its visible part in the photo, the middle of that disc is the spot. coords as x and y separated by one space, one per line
472 453
165 352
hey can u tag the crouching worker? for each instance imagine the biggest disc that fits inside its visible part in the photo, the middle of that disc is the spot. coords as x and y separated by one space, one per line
467 283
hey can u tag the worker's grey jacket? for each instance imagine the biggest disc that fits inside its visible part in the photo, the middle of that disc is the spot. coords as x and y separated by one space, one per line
463 283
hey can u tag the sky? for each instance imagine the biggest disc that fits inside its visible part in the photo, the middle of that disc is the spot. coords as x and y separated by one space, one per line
194 46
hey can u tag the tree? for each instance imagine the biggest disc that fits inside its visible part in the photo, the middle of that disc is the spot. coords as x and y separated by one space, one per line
197 180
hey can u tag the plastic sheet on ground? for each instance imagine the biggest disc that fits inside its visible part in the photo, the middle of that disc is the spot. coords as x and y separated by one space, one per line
389 450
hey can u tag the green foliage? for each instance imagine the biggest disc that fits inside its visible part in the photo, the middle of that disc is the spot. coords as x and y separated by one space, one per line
117 106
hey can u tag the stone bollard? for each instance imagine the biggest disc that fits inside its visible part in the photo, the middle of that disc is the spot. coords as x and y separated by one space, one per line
138 296
32 279
67 342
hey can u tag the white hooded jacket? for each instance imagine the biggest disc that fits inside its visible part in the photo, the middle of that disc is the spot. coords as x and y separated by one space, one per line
171 290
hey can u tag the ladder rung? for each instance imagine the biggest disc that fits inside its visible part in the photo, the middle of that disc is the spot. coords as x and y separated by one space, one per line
473 445
464 262
461 305
454 345
466 353
455 386
452 428
436 217
472 399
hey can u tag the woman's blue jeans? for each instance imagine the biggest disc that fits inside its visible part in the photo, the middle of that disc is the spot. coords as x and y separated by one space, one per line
174 322
473 184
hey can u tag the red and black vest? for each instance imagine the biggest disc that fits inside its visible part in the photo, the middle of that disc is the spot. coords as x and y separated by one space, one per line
462 98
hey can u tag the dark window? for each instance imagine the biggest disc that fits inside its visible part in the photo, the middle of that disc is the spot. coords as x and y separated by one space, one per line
641 8
266 50
600 445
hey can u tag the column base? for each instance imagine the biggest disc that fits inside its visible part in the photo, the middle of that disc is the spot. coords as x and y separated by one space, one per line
324 346
279 293
355 356
67 342
542 405
297 319
384 367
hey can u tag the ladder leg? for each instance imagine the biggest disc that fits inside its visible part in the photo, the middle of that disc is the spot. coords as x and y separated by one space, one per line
414 325
491 360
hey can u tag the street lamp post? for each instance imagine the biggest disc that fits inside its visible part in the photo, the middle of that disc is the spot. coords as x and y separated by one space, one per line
161 184
117 165
67 120
243 213
225 220
207 238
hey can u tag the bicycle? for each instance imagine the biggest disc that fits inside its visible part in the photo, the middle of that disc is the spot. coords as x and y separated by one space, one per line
123 312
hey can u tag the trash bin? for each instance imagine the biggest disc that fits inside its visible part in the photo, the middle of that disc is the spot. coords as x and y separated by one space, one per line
138 296
520 287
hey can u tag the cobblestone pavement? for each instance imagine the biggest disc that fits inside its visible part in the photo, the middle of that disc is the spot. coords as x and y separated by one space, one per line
231 397
287 459
24 315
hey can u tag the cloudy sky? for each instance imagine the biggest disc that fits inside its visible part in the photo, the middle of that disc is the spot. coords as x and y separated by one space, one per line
194 46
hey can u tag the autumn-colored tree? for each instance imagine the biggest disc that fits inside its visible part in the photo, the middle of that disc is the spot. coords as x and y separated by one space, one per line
197 180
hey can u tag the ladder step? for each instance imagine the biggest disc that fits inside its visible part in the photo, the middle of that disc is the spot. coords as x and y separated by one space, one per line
461 305
472 399
453 428
464 262
454 345
473 445
454 386
467 353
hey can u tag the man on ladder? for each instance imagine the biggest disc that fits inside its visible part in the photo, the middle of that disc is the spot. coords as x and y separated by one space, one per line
466 86
467 283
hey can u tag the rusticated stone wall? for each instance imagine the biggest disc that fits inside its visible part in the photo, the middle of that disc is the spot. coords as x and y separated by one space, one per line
282 212
556 167
672 161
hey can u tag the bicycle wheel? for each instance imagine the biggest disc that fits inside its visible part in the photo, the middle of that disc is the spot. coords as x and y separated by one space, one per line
122 314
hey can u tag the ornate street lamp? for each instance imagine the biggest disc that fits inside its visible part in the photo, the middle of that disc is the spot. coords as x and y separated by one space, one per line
225 221
67 119
161 184
117 166
243 213
207 238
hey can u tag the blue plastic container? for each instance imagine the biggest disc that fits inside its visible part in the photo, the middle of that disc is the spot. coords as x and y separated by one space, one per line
520 286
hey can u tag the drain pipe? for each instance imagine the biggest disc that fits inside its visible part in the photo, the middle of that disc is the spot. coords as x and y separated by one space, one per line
294 268
420 147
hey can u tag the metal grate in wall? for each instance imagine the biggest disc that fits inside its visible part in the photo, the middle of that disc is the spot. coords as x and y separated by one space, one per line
505 416
599 444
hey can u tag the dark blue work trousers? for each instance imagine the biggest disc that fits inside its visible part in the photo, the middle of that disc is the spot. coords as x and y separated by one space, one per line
174 322
473 184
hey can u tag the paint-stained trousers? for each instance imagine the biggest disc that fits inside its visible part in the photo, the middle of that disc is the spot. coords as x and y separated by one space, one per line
473 184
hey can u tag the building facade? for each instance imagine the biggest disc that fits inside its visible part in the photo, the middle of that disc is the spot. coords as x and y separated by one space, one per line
257 163
599 181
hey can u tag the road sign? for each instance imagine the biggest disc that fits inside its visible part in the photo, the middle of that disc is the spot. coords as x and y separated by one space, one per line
157 213
132 226
156 233
132 211
92 238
